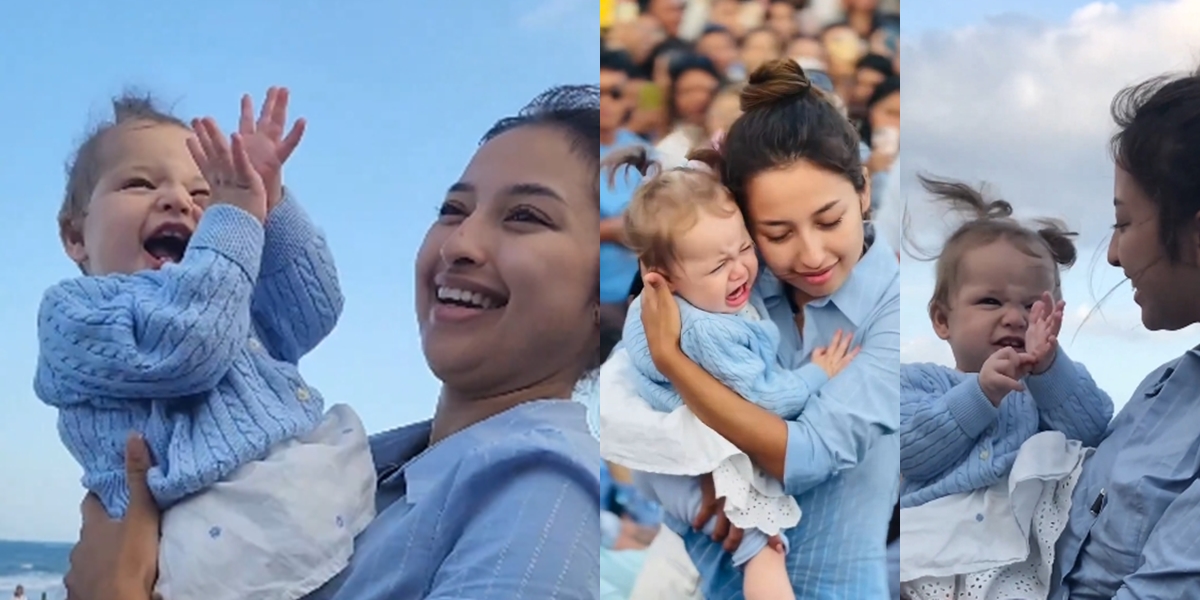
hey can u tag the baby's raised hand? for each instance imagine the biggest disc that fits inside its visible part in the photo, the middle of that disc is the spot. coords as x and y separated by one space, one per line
1002 373
1041 336
227 169
265 143
837 356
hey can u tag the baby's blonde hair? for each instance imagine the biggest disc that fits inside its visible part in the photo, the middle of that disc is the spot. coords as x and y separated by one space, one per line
666 205
989 221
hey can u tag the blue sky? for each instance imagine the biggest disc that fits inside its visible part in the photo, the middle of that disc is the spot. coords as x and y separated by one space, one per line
397 95
1022 102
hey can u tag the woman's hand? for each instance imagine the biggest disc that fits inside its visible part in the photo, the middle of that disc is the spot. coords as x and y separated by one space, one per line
724 532
118 560
661 321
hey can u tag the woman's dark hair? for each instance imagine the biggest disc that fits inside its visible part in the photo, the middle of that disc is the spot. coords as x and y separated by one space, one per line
1158 144
573 109
785 120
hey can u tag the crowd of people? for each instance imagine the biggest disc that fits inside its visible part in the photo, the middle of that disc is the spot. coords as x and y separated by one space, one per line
674 76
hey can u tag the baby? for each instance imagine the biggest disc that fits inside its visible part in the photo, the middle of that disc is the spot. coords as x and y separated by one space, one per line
683 224
203 285
997 302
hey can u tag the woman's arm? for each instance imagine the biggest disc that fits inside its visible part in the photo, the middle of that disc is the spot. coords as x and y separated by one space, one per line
853 410
1171 557
939 422
527 525
298 299
1069 401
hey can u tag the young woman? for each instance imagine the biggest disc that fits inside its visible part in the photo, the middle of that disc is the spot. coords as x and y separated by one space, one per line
498 495
793 165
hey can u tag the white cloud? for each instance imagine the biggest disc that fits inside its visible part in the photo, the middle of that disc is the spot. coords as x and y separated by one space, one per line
1025 105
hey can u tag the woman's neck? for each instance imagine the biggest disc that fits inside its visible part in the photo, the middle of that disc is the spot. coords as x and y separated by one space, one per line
458 410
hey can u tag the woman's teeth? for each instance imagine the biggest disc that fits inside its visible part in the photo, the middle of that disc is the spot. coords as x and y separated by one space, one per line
463 297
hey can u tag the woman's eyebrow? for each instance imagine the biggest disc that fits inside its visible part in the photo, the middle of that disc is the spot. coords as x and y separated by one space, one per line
533 189
516 189
826 207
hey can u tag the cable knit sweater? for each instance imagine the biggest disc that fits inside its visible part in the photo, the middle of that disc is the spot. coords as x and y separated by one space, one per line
952 440
740 352
199 357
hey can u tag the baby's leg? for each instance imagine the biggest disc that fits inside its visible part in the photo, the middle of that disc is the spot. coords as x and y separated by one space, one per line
766 576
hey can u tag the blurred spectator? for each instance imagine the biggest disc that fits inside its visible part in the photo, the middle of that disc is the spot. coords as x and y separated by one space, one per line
872 70
760 46
694 82
617 264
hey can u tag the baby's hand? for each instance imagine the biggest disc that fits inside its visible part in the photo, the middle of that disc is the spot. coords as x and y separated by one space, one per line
1041 337
227 169
265 143
837 356
1002 373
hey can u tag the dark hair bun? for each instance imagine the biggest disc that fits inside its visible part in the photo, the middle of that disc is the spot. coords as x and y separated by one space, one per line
777 81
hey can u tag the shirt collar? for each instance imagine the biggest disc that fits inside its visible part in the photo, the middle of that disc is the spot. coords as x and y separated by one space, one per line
405 460
860 293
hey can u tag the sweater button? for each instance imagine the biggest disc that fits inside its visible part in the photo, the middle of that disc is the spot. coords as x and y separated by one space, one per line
302 394
255 345
984 455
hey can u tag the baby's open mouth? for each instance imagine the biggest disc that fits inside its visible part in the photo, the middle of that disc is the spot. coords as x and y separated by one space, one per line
1013 342
168 243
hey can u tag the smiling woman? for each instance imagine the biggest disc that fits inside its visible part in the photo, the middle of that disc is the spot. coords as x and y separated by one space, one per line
498 495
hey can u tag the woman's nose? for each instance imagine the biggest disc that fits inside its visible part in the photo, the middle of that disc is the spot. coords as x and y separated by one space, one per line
810 253
466 244
1112 251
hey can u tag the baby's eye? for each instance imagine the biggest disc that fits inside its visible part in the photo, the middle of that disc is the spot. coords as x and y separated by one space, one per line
137 182
990 302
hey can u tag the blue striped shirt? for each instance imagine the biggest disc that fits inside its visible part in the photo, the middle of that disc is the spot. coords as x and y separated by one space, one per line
843 457
1134 528
507 509
200 357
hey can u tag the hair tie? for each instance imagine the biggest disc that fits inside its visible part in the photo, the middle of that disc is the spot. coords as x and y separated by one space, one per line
698 165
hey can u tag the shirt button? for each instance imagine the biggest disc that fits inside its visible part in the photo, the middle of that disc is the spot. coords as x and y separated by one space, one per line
302 394
984 455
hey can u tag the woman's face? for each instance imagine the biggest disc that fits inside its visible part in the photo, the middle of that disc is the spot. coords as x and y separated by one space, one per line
1165 291
693 92
808 225
506 277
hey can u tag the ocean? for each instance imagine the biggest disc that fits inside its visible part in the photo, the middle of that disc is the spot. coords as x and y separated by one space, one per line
37 566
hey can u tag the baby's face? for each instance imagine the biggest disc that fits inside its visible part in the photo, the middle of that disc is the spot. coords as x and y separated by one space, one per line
716 265
997 286
145 205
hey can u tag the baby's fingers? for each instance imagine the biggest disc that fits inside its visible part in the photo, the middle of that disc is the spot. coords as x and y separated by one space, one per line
247 177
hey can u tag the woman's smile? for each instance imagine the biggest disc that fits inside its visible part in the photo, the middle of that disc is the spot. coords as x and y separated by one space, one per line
457 300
